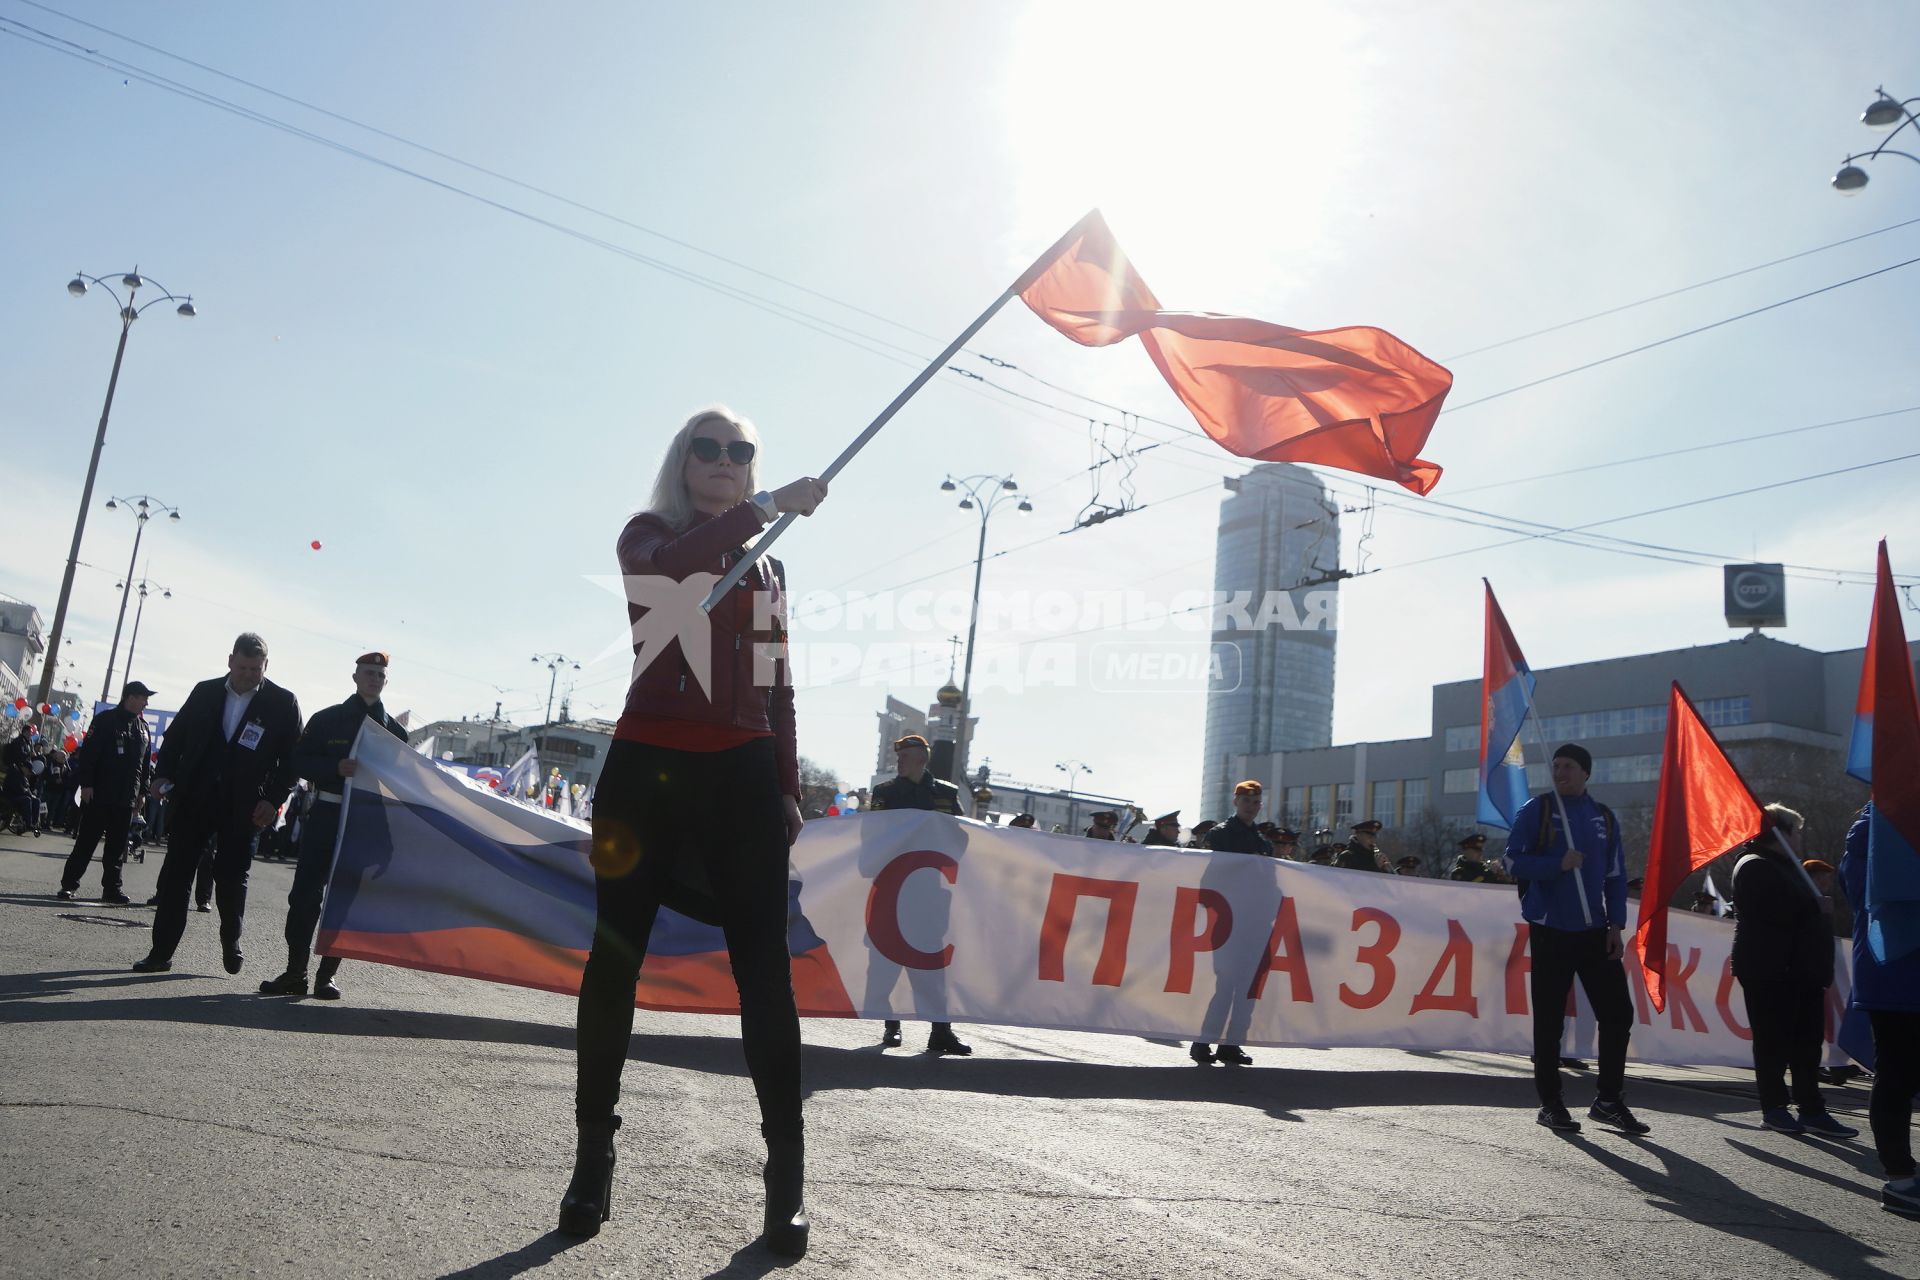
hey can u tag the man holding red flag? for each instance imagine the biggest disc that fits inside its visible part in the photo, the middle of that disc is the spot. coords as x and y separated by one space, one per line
1565 849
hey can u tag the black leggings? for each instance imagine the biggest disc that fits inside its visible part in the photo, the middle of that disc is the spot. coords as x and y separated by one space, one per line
704 831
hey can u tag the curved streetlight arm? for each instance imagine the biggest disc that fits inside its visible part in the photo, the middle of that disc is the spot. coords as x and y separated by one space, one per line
1879 151
118 302
164 297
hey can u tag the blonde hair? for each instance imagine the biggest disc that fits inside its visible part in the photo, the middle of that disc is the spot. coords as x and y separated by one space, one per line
1785 819
671 502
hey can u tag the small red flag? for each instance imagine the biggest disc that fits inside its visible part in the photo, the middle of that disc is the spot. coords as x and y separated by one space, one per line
1702 810
1356 398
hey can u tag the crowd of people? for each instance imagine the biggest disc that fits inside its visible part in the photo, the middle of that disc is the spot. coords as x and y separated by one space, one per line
699 802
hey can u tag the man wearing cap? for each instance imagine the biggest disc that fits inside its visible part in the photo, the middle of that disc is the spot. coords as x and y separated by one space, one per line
1022 820
1409 866
1471 865
113 768
913 787
1238 834
1286 844
1199 838
322 759
1166 831
1565 850
1105 821
227 760
1362 851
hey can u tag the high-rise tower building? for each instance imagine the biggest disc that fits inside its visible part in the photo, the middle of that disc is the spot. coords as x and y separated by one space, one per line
1279 537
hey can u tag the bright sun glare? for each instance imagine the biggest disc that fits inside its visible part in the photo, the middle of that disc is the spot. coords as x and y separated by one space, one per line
1199 129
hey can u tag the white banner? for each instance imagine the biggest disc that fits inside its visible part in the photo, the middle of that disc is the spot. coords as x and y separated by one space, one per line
923 916
934 917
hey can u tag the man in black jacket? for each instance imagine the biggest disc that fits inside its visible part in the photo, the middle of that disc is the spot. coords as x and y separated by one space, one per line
321 758
113 767
1236 835
1783 957
227 763
913 787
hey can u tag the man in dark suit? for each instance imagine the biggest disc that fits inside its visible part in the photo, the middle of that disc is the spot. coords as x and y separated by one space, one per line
916 788
113 768
322 759
227 764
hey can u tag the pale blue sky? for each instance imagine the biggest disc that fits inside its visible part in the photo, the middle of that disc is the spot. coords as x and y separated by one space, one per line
463 406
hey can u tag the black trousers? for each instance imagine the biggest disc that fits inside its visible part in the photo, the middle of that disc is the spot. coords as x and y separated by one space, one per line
310 886
97 820
1559 956
1896 1078
224 827
1789 1027
702 831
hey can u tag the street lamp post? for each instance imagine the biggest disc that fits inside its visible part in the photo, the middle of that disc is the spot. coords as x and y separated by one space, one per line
166 593
554 662
144 508
132 282
1884 112
1073 769
997 489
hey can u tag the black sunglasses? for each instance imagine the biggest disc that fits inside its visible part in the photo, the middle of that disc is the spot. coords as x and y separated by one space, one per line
707 449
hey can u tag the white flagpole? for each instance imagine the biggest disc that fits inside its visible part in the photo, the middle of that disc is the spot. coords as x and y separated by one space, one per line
921 379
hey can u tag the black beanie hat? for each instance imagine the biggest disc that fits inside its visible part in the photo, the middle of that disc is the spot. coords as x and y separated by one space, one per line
1579 755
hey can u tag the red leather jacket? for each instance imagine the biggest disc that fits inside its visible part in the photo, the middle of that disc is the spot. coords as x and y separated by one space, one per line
759 701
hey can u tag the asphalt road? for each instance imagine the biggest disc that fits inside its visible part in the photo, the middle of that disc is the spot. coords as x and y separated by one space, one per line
183 1125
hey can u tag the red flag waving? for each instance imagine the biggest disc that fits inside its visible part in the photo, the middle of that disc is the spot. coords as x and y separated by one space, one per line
1702 810
1356 398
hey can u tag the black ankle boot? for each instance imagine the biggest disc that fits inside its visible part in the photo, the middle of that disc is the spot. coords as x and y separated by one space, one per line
589 1198
785 1229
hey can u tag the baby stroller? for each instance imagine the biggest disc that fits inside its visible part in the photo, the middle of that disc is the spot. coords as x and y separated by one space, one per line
137 838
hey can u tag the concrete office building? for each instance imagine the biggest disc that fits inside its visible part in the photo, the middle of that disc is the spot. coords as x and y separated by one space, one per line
1273 688
1782 711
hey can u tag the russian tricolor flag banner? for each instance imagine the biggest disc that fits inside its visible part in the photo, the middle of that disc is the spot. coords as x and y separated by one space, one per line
438 871
924 916
1506 696
1885 752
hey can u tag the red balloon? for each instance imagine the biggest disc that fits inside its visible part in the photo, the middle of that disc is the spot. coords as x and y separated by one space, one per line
494 783
20 704
46 709
315 544
833 811
70 743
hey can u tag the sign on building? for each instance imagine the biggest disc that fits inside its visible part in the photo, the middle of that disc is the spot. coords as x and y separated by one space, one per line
1756 595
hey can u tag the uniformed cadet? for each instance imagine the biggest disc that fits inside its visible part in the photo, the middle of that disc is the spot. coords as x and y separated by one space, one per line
915 788
321 758
1286 844
1236 835
1200 830
1105 823
1471 865
113 768
1362 852
1409 866
1166 831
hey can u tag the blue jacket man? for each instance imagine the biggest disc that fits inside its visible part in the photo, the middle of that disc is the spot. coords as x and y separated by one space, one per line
1565 852
1890 993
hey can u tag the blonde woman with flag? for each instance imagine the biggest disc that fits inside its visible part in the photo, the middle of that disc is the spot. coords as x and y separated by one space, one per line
699 801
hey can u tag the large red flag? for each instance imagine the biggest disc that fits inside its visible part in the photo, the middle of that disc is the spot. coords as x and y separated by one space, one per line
1356 398
1702 810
